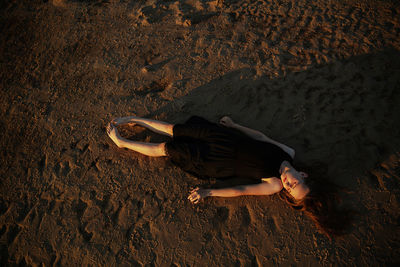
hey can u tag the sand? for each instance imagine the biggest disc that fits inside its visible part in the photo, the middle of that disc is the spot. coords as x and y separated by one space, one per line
320 76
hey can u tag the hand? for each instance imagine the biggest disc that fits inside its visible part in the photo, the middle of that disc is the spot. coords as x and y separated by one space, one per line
226 121
197 194
122 120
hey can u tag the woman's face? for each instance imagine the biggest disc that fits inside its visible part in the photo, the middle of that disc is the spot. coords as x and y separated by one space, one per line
293 182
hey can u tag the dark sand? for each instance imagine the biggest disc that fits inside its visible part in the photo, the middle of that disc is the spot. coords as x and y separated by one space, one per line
320 76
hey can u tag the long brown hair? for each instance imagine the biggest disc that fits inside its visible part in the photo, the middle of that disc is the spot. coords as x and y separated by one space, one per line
321 205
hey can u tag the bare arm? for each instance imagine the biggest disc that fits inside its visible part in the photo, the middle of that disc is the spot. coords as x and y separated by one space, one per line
228 122
257 135
268 186
124 120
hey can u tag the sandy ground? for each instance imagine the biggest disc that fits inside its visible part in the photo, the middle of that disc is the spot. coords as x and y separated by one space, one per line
320 76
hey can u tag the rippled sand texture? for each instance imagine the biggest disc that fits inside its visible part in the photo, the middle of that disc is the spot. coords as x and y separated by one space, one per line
320 76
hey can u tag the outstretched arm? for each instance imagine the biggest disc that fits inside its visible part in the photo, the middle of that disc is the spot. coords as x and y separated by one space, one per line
257 135
154 125
266 187
228 122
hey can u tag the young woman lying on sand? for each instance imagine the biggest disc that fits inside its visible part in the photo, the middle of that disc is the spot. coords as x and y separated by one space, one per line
228 150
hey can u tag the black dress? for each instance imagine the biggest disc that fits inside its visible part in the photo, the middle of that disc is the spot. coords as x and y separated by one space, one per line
209 150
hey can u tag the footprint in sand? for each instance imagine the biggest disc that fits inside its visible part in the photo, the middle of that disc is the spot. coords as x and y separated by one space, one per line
221 216
246 217
12 233
63 169
80 207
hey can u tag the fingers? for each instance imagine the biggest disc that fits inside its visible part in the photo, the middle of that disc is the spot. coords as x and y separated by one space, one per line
225 120
109 128
115 121
194 190
122 120
195 196
195 199
118 121
192 198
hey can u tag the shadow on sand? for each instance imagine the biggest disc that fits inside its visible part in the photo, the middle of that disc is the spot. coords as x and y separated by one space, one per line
344 115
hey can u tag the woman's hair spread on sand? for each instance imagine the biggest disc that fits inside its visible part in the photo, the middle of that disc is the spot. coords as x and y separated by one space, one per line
321 206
